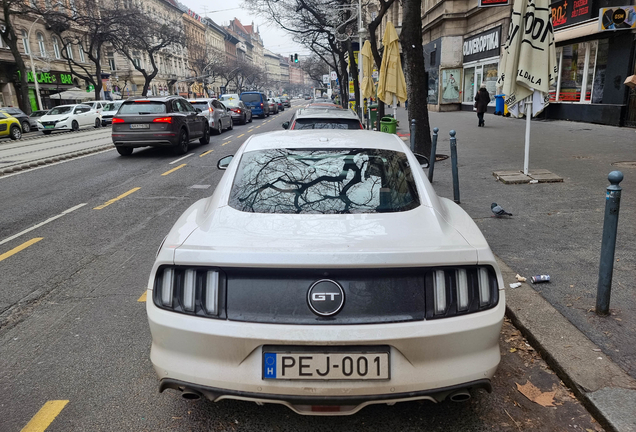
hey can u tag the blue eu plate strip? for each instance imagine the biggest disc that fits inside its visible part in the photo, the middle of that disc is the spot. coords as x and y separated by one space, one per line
269 365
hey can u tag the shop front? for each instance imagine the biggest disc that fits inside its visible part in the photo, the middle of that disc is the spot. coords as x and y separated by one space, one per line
480 66
49 83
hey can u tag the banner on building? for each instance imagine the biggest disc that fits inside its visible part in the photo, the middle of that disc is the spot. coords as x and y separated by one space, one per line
489 3
617 18
568 12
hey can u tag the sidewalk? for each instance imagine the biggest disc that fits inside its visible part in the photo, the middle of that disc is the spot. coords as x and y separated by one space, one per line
556 229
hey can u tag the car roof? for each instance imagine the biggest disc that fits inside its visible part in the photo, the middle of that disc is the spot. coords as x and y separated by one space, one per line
324 138
326 113
201 100
154 98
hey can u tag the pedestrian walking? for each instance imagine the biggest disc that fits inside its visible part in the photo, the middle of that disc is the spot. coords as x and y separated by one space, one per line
482 99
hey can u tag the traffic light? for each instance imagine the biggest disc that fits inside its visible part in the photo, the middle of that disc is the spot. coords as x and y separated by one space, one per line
291 58
295 58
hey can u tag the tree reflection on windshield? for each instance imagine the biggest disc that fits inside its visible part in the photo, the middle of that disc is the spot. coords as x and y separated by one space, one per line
323 181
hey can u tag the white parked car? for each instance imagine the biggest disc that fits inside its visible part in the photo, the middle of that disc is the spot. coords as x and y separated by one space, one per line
325 274
110 109
69 117
97 105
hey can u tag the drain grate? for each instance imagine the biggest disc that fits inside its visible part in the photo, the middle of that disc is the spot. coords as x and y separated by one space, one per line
628 164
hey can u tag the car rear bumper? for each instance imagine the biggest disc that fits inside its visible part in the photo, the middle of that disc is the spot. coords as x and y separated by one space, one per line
144 140
223 359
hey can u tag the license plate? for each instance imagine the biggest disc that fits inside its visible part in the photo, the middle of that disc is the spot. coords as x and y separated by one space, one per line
49 126
139 126
320 365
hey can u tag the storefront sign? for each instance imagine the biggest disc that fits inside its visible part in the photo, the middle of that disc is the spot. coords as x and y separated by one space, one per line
568 12
50 78
483 45
617 18
488 3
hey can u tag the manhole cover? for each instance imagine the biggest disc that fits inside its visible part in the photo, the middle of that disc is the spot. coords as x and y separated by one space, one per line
631 164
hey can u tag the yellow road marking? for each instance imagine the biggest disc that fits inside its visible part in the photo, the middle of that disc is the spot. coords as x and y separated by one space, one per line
173 169
23 246
240 135
207 152
107 203
226 142
257 127
45 416
143 297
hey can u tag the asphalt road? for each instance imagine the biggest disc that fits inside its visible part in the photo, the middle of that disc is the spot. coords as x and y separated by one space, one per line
77 242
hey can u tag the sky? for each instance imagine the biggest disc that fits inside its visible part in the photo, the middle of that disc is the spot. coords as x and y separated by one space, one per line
222 11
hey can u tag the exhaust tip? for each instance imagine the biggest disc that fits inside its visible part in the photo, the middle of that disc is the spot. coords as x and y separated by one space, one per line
460 396
191 395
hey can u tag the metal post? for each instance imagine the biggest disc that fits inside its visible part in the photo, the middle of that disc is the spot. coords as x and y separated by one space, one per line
413 135
453 148
608 246
526 157
431 160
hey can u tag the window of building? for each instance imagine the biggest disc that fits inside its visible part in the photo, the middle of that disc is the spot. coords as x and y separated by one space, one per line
69 50
56 48
81 53
40 38
2 28
25 42
581 72
110 58
136 59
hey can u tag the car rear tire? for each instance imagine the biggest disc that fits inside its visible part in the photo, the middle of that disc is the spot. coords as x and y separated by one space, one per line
219 130
26 127
244 119
182 145
231 125
205 139
124 151
251 118
97 123
15 133
75 126
46 132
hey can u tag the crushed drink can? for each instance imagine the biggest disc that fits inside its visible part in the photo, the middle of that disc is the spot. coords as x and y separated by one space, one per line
540 279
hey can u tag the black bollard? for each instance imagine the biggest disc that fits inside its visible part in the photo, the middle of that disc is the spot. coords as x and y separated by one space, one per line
608 246
431 161
453 147
413 135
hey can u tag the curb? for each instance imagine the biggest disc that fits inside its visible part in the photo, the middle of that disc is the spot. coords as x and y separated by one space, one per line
37 135
53 159
606 391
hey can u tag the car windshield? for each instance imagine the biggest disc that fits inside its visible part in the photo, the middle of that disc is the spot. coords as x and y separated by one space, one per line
112 106
60 110
322 181
134 107
203 106
251 97
38 113
311 123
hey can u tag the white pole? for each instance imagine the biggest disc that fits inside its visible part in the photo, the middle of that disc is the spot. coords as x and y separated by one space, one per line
395 107
527 150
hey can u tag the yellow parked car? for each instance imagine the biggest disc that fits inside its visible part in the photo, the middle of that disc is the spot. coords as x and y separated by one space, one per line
10 126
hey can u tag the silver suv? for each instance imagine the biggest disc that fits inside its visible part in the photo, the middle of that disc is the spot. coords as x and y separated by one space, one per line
218 115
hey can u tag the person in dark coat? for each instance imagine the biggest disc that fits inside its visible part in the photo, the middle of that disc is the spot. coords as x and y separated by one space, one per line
482 99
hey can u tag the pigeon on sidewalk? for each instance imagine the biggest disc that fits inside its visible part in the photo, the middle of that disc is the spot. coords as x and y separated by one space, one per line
498 210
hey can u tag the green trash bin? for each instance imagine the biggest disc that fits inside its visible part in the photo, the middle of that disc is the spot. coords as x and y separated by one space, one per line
373 108
388 125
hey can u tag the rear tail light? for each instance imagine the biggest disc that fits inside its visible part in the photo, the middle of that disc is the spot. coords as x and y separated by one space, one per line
193 291
261 105
458 291
163 120
361 127
211 109
117 120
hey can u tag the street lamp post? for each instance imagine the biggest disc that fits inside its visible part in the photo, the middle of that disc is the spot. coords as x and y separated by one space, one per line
35 78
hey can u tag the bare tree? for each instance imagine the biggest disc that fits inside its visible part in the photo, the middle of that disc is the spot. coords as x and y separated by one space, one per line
415 74
10 10
157 35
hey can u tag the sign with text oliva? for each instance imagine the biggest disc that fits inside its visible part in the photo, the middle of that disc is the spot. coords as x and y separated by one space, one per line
617 18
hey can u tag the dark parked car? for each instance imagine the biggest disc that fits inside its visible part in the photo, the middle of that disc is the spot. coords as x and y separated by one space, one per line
240 112
158 121
257 101
27 123
286 102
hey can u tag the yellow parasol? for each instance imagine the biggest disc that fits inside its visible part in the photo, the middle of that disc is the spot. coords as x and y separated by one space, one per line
391 83
368 88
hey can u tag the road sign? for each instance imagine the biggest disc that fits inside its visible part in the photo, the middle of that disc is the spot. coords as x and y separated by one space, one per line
325 79
334 76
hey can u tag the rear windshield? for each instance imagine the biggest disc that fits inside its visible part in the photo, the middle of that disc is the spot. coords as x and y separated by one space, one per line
142 108
324 182
60 110
309 123
203 106
231 103
112 106
251 97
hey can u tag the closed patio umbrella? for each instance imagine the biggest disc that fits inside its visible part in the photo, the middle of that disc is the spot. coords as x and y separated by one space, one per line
391 82
528 65
368 87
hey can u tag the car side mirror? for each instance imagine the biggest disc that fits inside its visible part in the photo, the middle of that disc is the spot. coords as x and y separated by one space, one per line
286 125
423 160
198 110
224 162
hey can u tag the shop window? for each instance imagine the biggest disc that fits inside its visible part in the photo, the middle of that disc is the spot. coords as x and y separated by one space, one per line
577 72
490 79
599 71
469 84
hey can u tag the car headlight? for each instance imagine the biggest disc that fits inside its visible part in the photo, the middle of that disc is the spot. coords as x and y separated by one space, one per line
62 120
453 291
190 290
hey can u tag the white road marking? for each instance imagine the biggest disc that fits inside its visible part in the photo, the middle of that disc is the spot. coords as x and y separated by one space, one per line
199 186
72 209
180 159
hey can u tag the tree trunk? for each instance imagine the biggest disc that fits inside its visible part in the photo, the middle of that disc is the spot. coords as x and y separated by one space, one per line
373 26
344 83
353 70
12 41
414 72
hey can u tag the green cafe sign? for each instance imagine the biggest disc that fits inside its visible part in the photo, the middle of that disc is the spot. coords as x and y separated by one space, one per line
50 78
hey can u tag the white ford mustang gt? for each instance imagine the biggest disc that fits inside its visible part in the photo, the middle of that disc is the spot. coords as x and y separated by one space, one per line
325 274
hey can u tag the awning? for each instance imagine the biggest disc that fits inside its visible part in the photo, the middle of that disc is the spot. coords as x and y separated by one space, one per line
73 94
577 31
